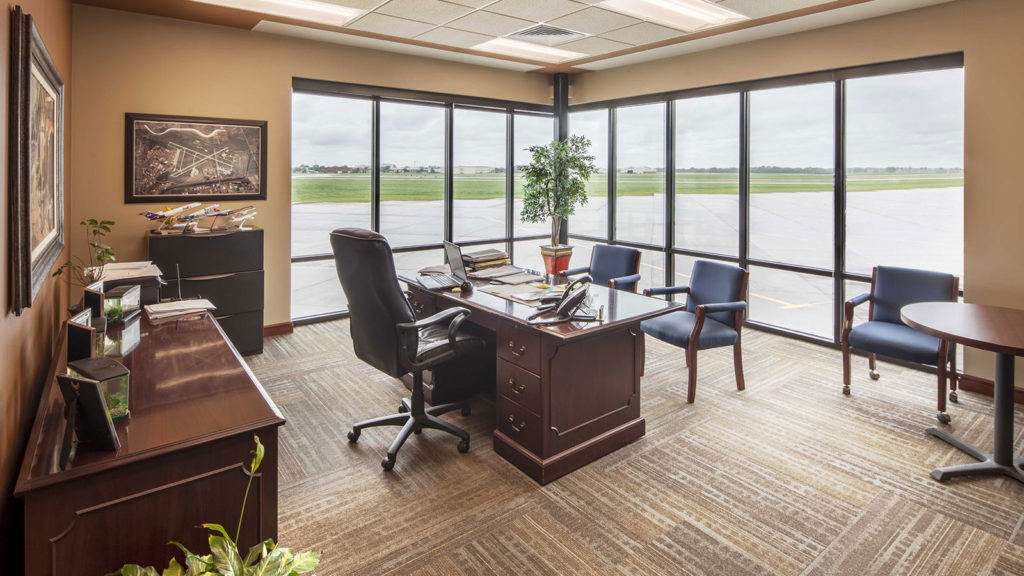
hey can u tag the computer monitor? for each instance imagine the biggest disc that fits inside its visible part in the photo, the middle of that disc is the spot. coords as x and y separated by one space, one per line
453 254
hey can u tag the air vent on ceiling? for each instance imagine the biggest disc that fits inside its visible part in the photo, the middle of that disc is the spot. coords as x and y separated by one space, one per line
546 35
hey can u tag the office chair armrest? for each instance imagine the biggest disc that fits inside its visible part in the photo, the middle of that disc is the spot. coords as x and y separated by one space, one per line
453 316
574 271
858 300
667 290
624 281
723 307
848 307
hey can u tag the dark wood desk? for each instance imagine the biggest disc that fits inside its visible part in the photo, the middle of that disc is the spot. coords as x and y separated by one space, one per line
183 461
565 394
1000 330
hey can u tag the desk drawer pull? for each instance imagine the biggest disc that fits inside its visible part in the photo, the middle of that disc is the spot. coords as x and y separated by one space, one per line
512 346
512 423
516 389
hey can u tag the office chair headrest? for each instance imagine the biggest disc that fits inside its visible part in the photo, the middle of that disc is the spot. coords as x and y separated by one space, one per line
358 234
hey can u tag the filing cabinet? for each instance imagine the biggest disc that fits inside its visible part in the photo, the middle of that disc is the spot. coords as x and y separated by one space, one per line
226 268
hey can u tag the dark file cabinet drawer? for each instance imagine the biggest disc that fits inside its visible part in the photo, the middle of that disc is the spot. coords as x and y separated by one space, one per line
520 425
207 254
519 345
245 330
230 293
519 385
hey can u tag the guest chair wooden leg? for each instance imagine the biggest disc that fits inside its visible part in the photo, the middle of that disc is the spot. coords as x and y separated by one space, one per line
691 366
954 379
737 363
942 416
871 367
846 367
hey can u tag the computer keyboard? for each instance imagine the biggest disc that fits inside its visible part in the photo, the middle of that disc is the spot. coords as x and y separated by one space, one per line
438 281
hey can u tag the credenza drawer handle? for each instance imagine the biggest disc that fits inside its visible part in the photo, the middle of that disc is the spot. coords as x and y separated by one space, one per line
512 346
516 388
512 422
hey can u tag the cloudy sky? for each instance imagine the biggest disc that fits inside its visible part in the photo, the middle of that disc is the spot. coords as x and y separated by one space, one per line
903 120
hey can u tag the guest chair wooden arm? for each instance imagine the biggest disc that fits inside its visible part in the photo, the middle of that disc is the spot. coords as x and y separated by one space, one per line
574 271
848 312
666 290
624 281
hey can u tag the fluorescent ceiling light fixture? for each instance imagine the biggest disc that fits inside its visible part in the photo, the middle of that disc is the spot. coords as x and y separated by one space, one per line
527 50
307 10
686 15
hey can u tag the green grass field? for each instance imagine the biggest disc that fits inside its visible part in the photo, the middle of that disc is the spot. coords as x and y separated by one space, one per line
356 187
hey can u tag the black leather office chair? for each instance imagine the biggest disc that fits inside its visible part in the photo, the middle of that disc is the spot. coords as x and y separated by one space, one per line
387 336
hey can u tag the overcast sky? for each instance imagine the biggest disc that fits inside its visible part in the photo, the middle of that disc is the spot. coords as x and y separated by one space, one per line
903 120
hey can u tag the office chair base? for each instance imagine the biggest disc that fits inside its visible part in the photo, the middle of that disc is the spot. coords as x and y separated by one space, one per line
406 406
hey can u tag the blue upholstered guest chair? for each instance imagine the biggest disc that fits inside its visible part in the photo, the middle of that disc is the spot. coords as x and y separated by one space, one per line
715 302
885 333
616 266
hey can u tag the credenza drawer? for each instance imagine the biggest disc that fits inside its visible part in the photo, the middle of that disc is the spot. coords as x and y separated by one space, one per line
187 255
519 424
230 293
519 345
519 385
245 330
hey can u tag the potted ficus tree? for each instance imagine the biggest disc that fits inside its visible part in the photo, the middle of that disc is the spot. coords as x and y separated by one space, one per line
556 181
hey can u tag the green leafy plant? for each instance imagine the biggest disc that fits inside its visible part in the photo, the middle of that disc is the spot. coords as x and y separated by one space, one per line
556 181
224 559
100 254
115 311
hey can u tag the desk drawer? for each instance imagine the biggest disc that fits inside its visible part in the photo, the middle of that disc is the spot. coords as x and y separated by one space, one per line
519 345
207 254
520 425
245 330
422 303
230 293
518 385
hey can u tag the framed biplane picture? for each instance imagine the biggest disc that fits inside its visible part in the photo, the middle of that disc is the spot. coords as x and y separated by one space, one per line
36 162
186 159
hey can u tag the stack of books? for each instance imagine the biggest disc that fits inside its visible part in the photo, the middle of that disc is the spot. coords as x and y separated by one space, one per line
484 259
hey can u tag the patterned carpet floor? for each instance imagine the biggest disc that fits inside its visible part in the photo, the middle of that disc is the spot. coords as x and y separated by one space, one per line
789 477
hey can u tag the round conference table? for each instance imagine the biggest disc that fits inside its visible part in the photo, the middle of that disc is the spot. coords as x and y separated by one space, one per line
999 330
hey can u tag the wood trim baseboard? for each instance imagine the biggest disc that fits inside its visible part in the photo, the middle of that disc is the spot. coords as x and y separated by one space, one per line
278 329
985 386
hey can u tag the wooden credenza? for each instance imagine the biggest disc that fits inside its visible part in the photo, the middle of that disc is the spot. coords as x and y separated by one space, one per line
184 459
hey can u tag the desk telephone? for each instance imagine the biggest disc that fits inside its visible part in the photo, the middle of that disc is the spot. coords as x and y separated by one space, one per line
565 305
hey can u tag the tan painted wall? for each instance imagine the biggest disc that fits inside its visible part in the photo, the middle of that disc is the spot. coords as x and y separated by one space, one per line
133 63
987 31
26 341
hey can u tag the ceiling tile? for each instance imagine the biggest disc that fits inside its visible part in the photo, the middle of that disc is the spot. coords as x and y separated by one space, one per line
381 24
536 11
594 21
642 33
593 46
489 23
358 4
453 37
474 3
433 11
761 8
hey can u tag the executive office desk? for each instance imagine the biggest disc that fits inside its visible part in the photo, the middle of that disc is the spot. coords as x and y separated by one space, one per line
565 394
183 461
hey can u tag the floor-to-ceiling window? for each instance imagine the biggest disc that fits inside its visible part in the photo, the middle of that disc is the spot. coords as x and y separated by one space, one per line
418 170
807 181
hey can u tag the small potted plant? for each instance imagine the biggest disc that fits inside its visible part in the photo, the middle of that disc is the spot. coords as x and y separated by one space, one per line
555 185
100 254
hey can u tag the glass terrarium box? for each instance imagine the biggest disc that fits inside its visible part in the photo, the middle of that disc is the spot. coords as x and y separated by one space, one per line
121 303
112 380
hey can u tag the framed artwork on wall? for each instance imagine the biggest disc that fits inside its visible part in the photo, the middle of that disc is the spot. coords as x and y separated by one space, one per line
187 159
36 161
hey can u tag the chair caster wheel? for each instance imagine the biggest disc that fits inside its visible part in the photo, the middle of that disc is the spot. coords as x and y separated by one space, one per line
465 410
953 397
943 418
846 390
874 374
387 464
402 409
417 430
463 446
353 436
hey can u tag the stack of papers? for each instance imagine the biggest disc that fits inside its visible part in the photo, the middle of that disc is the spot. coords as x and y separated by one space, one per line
129 270
177 308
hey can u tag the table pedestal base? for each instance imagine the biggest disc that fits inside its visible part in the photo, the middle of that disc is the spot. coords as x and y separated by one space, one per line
987 466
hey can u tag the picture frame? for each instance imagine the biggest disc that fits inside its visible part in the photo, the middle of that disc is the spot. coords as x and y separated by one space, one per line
36 162
188 159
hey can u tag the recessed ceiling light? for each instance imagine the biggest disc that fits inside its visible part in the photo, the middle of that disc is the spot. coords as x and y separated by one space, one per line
527 50
686 15
307 10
